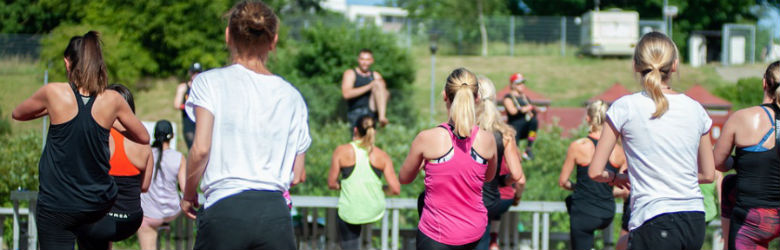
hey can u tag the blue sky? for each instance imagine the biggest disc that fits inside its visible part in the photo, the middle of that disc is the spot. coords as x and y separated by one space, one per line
366 2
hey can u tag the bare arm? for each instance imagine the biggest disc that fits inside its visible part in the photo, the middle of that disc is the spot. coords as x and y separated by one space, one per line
299 170
604 149
348 90
568 167
178 101
182 174
33 107
389 171
512 159
509 106
706 161
488 139
335 168
147 171
414 159
198 157
724 145
134 129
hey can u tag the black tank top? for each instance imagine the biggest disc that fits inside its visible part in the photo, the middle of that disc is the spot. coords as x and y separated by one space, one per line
128 197
490 193
186 121
74 165
592 197
758 176
362 100
510 118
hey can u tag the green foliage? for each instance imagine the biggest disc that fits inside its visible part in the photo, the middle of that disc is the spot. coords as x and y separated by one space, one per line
5 125
745 93
20 155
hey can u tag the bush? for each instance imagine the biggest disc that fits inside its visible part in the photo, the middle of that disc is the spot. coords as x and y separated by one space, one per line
19 154
745 93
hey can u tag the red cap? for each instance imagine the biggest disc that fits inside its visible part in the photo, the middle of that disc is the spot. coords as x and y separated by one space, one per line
516 78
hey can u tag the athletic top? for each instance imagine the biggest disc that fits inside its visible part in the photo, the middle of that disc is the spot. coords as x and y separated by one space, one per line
74 165
662 153
510 118
490 193
361 199
591 197
453 213
361 100
260 126
162 198
507 192
120 164
758 173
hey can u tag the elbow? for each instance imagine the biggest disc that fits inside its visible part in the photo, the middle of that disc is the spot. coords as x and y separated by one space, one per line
144 188
405 180
395 190
298 180
332 185
594 176
707 178
199 152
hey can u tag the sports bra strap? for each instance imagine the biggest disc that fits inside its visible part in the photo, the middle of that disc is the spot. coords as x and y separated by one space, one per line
771 130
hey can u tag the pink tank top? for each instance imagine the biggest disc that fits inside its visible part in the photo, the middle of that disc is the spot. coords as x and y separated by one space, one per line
454 213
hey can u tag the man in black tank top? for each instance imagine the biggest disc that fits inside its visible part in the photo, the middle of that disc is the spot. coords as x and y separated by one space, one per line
364 90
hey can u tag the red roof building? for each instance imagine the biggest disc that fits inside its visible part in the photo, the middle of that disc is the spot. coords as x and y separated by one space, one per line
567 119
718 109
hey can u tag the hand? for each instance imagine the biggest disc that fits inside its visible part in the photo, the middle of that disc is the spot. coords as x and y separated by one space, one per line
383 121
621 181
188 207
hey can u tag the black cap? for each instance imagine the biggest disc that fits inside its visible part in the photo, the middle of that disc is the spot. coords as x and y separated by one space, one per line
163 131
196 68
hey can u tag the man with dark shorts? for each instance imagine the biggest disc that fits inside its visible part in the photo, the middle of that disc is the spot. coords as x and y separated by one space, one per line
364 90
182 93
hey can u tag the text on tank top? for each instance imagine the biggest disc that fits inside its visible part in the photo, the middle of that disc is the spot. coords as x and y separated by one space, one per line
758 172
361 199
361 100
74 165
453 213
592 197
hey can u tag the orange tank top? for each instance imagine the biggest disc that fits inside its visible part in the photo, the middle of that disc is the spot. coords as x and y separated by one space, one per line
120 164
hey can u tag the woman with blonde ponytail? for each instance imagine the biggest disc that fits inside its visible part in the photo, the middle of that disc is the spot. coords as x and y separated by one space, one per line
592 205
508 157
755 218
458 157
75 186
361 165
668 150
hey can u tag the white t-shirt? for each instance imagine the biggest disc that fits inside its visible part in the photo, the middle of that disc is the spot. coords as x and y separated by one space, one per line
662 153
260 125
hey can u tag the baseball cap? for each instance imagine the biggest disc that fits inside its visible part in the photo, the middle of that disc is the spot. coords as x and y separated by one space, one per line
517 78
196 67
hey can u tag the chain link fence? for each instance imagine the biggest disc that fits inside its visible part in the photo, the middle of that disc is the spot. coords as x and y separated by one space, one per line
20 45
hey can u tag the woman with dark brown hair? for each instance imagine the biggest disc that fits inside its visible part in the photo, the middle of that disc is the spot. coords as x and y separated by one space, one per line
251 136
75 187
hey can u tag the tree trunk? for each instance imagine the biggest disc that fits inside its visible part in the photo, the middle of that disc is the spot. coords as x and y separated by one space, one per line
482 28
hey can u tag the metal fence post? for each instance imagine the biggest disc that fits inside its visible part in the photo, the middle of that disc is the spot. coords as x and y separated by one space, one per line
16 225
385 231
563 36
511 35
535 237
32 227
545 231
395 229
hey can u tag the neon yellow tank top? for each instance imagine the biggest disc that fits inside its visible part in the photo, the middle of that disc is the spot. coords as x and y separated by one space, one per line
362 199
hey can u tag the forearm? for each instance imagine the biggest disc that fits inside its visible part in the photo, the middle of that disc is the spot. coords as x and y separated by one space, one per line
196 164
355 92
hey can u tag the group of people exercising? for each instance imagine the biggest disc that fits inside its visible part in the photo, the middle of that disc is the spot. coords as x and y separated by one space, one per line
101 182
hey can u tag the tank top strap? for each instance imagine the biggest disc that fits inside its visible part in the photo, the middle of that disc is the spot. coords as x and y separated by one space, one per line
593 140
771 130
81 105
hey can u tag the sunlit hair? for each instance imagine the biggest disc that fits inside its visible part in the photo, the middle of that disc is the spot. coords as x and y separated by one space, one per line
252 26
87 69
488 116
772 78
461 90
597 113
654 58
367 132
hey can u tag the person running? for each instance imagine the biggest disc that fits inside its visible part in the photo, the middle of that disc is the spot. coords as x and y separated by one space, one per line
161 202
667 144
75 188
365 90
182 93
251 129
592 204
361 198
458 158
131 165
521 114
755 218
489 119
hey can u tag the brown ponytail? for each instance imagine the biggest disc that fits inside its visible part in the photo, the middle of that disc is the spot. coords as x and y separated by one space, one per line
461 90
87 69
252 26
654 57
772 79
367 132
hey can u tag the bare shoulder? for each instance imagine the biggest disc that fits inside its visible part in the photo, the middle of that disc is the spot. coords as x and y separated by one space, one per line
342 149
377 75
349 72
741 116
378 152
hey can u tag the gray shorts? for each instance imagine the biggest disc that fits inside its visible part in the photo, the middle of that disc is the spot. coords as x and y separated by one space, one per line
355 114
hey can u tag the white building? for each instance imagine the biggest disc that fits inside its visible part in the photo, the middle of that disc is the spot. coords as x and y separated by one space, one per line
362 12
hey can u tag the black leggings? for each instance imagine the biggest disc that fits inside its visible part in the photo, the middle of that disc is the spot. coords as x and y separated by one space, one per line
58 230
582 228
251 219
524 129
426 243
115 226
349 235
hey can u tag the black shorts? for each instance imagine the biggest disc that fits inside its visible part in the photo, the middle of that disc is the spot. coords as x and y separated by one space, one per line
524 128
355 114
680 230
58 230
426 243
115 226
251 219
